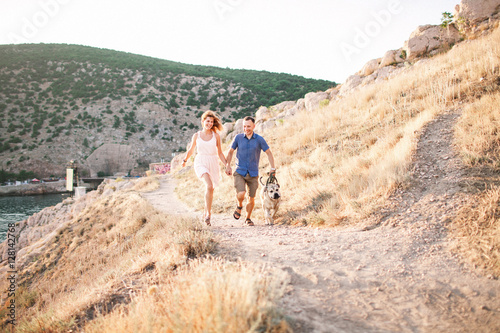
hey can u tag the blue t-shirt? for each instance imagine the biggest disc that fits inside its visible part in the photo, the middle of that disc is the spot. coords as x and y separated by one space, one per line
248 153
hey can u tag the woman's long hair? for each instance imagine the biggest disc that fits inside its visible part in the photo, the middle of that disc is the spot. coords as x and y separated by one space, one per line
217 123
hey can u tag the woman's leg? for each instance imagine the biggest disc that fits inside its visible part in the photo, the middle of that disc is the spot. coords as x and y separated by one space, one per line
209 195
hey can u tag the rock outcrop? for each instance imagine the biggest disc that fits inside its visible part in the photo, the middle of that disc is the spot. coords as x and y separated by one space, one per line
475 11
312 100
475 18
471 17
430 39
391 57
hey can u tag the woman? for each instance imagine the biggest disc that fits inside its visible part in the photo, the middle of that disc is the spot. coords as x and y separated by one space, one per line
206 165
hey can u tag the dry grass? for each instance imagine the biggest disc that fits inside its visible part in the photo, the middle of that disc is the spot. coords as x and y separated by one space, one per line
339 163
476 230
478 132
147 184
98 271
209 296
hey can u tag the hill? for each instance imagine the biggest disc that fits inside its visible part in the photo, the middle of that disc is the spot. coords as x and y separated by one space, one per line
389 222
62 102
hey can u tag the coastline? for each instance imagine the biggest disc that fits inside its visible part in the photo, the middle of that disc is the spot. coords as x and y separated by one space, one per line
34 189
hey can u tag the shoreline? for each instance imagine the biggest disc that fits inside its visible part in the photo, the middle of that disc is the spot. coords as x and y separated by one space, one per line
33 189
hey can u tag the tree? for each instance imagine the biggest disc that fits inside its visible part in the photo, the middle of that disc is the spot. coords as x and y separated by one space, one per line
446 19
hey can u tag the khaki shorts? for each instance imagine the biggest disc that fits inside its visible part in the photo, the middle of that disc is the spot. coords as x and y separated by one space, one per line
251 182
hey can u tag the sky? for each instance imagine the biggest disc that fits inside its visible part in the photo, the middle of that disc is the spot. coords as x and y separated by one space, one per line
320 39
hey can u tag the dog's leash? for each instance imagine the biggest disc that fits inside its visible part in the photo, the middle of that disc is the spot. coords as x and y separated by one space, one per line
272 179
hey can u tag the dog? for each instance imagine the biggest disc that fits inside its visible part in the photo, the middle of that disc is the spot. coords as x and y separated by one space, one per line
270 197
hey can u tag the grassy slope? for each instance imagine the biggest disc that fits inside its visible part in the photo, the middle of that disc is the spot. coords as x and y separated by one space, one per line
340 163
120 265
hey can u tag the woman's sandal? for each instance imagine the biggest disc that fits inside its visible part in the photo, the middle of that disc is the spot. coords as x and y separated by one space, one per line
237 215
207 220
249 222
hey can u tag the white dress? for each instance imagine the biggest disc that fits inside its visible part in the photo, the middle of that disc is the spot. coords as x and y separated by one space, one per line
207 159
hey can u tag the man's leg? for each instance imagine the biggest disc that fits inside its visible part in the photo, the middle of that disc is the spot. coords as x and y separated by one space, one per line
249 207
240 196
253 184
239 185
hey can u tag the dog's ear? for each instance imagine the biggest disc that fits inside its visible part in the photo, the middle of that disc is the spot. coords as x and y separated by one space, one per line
278 185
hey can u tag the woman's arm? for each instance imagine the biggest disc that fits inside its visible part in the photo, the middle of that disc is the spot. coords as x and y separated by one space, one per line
219 149
190 150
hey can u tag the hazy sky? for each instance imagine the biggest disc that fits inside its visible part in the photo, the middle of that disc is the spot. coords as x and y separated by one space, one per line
323 39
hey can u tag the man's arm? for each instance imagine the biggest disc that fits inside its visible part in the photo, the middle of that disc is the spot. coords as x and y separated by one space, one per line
271 161
229 157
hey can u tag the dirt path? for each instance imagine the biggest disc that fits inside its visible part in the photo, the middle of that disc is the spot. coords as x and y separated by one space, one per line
397 275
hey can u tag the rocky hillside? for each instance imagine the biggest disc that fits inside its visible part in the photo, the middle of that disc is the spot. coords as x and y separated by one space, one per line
63 102
470 20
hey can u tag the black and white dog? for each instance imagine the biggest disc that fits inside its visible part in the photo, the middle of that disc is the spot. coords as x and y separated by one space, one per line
270 197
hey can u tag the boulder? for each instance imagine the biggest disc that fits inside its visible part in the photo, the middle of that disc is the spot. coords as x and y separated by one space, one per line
290 112
390 58
385 73
370 67
301 104
283 106
265 125
333 92
313 99
262 114
226 128
352 82
369 79
476 10
428 38
111 158
238 126
237 129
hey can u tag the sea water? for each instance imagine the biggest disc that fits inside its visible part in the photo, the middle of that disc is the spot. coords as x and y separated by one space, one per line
15 209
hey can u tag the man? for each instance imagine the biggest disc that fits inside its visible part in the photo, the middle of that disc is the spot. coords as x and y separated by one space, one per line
248 146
